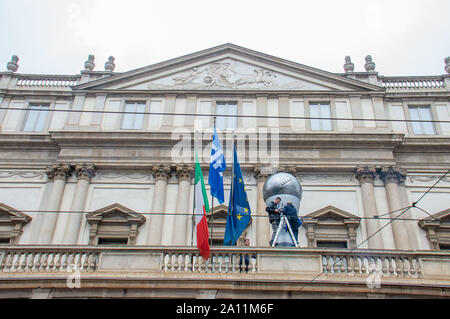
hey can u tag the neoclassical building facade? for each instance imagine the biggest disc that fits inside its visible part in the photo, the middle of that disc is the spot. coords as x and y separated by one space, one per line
96 179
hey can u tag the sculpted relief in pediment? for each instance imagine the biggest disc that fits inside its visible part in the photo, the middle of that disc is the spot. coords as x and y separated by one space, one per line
230 74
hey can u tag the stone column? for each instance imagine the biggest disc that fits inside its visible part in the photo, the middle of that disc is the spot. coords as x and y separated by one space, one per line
84 173
184 174
391 176
156 220
366 176
263 228
411 226
46 222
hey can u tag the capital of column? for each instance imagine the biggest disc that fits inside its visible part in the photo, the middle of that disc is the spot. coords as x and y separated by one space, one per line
59 171
365 174
161 172
184 172
261 173
288 169
392 174
84 171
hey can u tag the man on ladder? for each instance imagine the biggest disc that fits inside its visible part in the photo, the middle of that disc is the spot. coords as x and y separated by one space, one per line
283 216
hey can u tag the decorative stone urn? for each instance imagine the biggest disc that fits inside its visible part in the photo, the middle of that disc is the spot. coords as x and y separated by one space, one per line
89 64
348 66
447 64
370 65
109 65
12 65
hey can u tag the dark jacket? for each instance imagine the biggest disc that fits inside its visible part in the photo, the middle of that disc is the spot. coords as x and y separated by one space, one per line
291 213
290 210
273 216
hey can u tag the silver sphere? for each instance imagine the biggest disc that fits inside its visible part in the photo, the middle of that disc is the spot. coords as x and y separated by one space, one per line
282 183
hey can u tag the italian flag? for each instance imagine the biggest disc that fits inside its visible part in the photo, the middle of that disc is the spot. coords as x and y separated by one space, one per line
201 207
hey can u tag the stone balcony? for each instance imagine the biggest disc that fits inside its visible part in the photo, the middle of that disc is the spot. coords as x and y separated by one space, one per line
180 271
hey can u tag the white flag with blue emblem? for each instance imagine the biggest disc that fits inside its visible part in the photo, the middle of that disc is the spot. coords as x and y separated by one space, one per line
216 168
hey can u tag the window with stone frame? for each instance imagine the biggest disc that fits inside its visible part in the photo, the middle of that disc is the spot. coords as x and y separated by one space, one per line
11 224
225 115
217 221
133 119
114 225
318 110
36 118
331 227
437 228
421 113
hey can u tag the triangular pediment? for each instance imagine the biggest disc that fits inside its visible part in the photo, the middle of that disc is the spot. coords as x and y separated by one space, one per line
436 219
9 214
115 213
228 67
218 212
331 212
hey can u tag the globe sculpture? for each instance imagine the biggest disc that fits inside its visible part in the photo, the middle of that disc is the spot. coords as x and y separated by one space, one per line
287 187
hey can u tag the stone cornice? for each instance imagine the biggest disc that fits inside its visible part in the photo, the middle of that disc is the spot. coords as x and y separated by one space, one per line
288 140
26 140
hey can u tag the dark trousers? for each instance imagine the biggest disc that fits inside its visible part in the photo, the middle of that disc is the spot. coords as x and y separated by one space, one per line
275 225
293 221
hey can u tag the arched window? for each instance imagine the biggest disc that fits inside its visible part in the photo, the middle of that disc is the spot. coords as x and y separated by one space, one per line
114 225
11 224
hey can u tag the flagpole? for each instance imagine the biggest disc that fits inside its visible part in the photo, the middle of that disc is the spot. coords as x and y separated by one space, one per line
193 214
212 203
232 185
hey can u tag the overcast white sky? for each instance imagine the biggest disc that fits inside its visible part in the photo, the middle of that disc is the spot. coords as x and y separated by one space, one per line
404 37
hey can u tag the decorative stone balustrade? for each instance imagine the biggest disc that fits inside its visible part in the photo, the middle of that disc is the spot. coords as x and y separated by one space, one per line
47 260
413 83
46 81
262 262
387 265
219 262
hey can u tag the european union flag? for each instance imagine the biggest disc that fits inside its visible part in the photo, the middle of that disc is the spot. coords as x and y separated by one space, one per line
238 208
216 168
